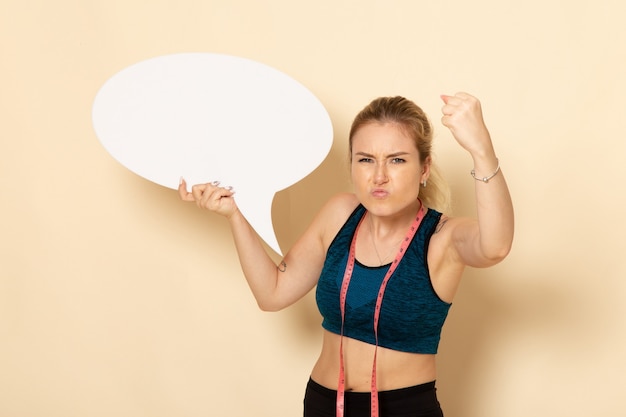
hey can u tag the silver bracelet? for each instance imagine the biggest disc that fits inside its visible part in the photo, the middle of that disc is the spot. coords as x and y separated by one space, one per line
486 179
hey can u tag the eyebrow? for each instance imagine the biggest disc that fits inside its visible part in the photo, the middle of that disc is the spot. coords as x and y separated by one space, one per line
391 155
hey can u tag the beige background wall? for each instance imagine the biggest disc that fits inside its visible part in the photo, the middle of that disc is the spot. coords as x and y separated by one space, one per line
117 299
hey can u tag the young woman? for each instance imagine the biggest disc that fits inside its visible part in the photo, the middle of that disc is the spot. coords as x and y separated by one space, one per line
385 262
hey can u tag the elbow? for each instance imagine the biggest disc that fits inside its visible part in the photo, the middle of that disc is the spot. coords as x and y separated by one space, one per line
494 256
269 306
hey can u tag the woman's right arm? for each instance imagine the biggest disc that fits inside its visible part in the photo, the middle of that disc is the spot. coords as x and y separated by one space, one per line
274 286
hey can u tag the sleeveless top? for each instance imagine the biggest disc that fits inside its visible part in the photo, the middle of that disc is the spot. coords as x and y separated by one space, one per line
411 316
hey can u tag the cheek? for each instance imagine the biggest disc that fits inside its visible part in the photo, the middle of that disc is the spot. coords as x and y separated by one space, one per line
357 173
360 182
411 181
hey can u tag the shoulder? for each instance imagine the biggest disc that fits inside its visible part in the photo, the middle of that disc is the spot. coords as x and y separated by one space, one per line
344 202
334 213
313 244
339 207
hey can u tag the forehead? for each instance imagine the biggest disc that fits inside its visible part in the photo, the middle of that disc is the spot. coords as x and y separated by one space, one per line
382 137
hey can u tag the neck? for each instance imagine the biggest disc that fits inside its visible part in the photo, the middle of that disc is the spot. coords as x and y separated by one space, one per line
384 227
386 233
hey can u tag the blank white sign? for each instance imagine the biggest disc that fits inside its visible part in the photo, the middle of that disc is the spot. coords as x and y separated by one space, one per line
211 117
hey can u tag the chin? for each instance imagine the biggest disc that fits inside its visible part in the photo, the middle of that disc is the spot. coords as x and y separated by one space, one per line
382 206
390 207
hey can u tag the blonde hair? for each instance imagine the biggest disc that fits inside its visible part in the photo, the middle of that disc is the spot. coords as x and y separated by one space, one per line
416 125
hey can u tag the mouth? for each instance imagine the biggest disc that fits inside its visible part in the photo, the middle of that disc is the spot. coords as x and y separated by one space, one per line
379 193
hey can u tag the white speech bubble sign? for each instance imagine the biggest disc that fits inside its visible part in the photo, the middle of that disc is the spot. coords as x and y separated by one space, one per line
213 117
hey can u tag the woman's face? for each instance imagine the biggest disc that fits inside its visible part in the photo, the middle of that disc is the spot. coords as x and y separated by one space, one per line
386 169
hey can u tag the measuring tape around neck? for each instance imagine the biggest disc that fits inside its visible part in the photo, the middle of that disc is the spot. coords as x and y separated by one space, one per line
341 386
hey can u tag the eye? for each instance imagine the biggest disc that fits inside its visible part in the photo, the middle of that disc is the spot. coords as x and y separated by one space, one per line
365 160
398 161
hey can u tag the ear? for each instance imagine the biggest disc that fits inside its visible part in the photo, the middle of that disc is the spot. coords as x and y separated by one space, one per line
425 174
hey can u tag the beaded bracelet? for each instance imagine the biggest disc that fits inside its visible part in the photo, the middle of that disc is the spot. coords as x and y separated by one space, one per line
486 179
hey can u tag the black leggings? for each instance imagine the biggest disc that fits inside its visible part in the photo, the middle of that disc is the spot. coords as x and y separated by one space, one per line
417 401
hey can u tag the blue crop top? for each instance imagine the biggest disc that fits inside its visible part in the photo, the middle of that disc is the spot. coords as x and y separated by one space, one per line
411 316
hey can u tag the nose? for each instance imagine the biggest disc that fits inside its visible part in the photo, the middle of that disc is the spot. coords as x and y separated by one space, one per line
380 175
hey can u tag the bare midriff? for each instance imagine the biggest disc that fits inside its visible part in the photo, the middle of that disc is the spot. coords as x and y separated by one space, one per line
394 369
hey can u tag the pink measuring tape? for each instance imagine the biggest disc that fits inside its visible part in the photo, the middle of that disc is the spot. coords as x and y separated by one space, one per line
341 387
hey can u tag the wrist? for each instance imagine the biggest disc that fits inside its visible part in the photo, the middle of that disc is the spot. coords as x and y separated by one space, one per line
235 215
484 155
486 166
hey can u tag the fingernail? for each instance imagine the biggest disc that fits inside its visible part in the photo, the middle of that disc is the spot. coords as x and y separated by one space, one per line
215 183
181 180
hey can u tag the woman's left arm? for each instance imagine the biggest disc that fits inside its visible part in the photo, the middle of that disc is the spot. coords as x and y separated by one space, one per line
487 240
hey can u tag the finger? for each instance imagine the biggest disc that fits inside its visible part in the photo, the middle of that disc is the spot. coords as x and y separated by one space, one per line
467 100
216 192
463 95
447 109
211 195
212 199
204 198
454 100
451 106
182 191
445 120
199 190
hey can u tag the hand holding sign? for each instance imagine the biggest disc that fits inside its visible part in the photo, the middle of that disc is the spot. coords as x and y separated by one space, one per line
210 117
